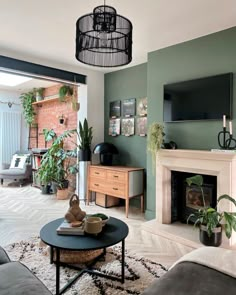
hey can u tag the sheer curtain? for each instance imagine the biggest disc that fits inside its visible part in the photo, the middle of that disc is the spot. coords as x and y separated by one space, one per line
10 135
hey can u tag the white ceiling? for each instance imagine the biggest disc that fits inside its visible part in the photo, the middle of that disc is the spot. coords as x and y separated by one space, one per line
46 28
29 85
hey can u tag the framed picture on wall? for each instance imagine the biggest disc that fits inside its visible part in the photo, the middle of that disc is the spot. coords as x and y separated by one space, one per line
114 127
115 109
127 127
142 106
141 126
129 107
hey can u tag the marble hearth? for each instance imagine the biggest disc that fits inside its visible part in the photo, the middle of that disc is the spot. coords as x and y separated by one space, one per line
220 164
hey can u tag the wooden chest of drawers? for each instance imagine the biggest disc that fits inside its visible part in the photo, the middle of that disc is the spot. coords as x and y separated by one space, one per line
118 181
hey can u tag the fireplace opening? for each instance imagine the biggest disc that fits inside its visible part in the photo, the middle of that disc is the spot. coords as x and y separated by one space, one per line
186 200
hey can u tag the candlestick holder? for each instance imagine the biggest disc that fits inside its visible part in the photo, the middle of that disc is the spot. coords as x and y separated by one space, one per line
226 140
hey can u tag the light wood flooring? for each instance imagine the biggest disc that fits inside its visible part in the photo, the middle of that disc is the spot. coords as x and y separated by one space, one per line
24 210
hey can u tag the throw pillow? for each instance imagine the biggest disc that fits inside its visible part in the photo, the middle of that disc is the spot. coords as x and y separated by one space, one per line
18 161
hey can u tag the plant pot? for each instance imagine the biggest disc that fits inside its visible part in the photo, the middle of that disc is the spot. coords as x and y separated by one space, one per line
53 188
75 106
214 240
85 155
61 121
63 184
62 194
45 189
39 97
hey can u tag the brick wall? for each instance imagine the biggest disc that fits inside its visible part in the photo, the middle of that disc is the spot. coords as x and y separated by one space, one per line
48 114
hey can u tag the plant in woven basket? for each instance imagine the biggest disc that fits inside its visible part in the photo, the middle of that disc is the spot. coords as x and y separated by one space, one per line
155 140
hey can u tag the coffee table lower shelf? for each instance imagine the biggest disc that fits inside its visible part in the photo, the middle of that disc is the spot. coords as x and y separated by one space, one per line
88 269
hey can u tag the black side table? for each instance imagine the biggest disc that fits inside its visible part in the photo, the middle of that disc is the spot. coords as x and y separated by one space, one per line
114 231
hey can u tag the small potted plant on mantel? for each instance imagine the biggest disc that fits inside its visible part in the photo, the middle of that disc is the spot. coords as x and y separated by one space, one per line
212 221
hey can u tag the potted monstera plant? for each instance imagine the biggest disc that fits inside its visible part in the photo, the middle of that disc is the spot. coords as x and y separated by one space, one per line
212 221
56 166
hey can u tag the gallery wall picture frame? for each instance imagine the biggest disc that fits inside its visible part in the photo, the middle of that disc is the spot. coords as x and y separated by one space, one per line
115 109
127 127
114 127
141 126
129 107
142 106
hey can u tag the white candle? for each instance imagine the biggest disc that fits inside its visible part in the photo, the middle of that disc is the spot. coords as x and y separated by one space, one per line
224 121
230 128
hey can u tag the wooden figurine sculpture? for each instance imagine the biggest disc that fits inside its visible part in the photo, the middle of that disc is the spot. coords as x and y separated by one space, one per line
74 213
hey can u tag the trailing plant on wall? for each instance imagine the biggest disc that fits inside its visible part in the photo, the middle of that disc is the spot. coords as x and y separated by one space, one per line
155 140
28 110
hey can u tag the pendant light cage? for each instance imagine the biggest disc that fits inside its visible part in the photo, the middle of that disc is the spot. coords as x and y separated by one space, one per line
104 38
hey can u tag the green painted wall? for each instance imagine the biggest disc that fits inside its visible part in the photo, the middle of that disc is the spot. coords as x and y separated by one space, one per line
120 85
205 56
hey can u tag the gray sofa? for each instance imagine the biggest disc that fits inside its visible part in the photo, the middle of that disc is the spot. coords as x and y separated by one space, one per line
188 278
17 279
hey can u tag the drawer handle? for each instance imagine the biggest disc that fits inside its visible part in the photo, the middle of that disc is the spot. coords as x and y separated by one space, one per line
115 189
116 176
96 184
97 173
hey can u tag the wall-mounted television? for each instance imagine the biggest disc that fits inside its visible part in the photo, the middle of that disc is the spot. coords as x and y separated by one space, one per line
206 98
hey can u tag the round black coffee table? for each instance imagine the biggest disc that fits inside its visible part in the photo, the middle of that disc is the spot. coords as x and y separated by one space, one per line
113 232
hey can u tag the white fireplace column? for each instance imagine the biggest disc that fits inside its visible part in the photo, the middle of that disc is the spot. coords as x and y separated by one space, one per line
220 164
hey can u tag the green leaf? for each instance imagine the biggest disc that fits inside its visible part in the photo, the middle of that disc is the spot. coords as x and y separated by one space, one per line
196 179
226 197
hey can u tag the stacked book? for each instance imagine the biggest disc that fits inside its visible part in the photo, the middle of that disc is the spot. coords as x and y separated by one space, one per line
66 228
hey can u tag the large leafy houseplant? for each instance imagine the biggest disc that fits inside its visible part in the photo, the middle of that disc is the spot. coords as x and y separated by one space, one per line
28 110
209 219
56 162
155 140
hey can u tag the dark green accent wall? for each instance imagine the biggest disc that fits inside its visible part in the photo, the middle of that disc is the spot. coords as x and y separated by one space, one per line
120 85
206 56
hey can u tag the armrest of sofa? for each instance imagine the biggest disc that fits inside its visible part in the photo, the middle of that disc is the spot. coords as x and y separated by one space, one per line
4 258
28 171
5 166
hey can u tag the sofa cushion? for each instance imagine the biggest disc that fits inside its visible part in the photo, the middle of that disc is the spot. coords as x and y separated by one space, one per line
17 279
3 256
191 278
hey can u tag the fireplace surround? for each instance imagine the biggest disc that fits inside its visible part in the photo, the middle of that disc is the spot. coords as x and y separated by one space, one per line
215 163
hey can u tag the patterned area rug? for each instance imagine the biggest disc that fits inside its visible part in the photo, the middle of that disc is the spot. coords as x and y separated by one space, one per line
139 272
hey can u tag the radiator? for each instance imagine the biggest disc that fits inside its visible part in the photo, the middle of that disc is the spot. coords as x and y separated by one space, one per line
10 135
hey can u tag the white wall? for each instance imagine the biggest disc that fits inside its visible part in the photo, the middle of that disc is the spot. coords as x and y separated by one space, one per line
94 105
13 96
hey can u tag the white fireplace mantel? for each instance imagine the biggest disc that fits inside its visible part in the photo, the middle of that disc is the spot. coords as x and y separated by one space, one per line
220 164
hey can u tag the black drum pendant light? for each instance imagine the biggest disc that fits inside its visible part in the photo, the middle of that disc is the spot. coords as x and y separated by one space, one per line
104 38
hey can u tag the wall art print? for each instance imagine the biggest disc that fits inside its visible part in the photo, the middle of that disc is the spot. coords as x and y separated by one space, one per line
129 107
142 106
127 127
114 127
115 109
141 126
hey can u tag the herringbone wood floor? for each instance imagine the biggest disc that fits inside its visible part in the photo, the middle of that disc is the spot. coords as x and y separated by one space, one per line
24 210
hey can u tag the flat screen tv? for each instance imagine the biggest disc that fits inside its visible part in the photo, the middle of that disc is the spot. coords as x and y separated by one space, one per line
201 99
